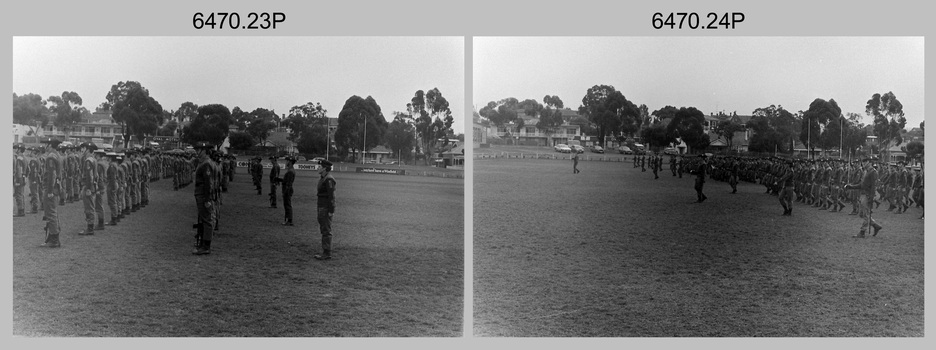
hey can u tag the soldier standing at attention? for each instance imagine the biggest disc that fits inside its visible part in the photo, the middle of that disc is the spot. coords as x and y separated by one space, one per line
287 184
52 181
325 207
655 160
88 186
35 179
258 174
123 194
111 174
100 174
575 162
274 173
786 193
225 170
204 179
20 173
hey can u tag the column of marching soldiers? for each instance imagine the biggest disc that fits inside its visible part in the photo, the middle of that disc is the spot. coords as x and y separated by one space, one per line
819 183
57 175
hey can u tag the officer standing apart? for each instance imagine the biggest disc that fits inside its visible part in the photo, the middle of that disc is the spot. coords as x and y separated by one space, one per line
287 184
274 173
203 185
326 207
575 162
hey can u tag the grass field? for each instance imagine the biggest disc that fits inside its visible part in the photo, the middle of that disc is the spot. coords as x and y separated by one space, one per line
613 252
398 269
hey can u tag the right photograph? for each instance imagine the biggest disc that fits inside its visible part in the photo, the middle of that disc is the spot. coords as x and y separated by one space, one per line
698 186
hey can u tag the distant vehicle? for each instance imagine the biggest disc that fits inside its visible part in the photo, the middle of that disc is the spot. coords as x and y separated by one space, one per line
625 150
597 149
563 148
578 148
317 159
107 147
671 151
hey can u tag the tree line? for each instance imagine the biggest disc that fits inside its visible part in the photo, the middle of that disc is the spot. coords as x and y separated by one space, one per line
425 126
609 114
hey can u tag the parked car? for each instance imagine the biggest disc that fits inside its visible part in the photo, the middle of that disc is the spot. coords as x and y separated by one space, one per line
578 148
670 151
625 150
597 149
563 148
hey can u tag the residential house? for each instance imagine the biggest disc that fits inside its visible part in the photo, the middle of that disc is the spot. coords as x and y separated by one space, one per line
739 141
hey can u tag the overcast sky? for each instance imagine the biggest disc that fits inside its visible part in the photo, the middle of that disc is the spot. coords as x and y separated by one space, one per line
249 72
710 73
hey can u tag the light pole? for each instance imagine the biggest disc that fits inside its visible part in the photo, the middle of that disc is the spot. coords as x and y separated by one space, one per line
364 141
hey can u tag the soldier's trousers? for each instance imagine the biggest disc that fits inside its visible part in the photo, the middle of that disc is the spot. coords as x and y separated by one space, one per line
87 197
132 189
99 203
144 192
698 187
786 197
50 204
112 202
34 196
19 198
205 218
287 204
67 186
272 194
325 222
124 199
866 210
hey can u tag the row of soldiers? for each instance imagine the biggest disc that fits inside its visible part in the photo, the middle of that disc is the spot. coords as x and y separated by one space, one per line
57 175
821 183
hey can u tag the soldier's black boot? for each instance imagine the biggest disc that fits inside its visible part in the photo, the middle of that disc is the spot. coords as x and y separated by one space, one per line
88 231
198 236
326 255
877 228
52 241
100 224
204 249
112 222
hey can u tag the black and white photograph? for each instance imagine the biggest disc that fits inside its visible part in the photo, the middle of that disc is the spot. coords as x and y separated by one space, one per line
238 186
698 186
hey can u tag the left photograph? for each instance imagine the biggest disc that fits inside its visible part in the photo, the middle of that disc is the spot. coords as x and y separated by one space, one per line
238 186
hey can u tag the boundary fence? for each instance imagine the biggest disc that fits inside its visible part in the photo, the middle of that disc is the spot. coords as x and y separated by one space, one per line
553 156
